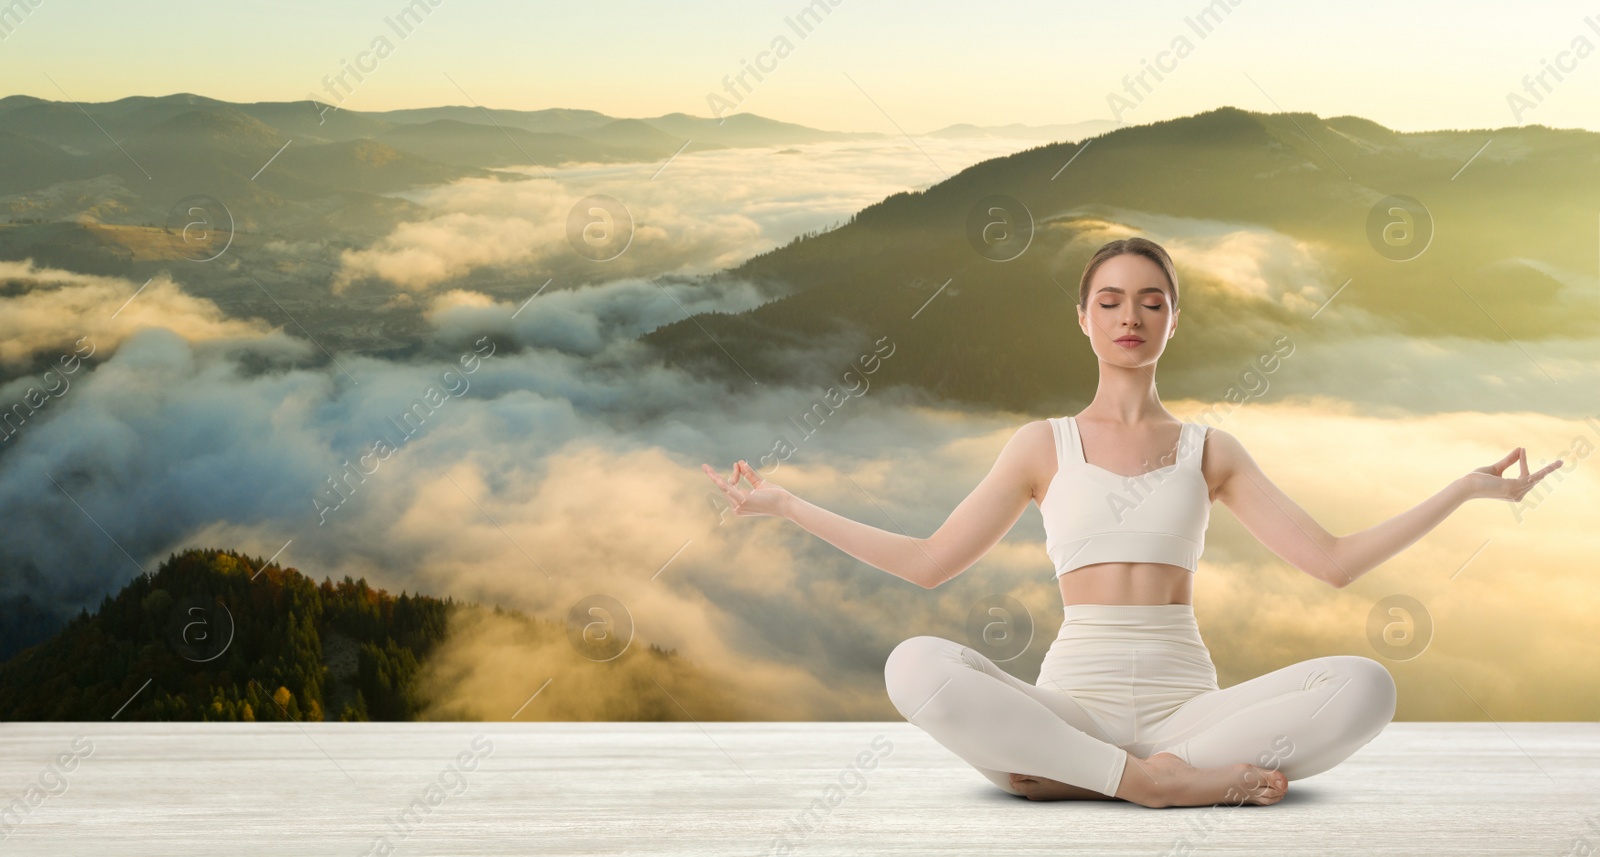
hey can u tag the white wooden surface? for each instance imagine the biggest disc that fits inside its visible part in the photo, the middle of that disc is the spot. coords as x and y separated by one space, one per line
744 789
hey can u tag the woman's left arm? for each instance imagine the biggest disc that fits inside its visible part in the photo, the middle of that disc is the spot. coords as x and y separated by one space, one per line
1288 531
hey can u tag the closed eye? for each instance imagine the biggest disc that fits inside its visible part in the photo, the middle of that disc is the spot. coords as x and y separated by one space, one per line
1114 306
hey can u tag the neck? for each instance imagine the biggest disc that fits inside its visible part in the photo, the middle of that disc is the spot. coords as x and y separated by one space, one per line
1126 395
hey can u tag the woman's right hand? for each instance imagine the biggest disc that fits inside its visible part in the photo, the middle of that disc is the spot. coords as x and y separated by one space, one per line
761 498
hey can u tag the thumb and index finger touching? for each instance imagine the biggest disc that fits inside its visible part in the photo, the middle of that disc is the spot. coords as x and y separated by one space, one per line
1520 456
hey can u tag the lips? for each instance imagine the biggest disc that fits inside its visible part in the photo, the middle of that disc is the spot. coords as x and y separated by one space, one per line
1128 340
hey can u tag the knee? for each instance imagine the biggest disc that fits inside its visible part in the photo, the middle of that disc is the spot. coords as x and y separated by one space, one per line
912 673
1379 686
1372 691
915 653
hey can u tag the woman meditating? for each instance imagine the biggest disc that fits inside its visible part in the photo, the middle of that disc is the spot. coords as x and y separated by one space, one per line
1127 705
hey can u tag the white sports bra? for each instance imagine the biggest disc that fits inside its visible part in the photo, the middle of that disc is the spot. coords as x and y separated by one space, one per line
1092 515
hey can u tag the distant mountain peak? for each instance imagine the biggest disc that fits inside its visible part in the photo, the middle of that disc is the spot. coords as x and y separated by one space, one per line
218 125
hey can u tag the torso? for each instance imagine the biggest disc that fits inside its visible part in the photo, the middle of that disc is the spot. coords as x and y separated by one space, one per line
1125 582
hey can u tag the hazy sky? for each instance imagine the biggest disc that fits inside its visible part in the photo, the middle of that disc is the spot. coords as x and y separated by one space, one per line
867 66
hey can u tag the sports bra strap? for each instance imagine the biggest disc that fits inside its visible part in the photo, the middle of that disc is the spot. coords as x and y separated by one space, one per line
1068 454
1190 445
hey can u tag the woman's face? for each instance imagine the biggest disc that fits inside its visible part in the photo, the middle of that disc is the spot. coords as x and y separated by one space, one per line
1128 301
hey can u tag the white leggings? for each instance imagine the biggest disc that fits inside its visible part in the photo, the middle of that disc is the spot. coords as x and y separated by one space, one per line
1134 678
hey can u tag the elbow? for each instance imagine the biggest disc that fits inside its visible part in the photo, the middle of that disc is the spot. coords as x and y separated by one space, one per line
1338 577
944 575
935 570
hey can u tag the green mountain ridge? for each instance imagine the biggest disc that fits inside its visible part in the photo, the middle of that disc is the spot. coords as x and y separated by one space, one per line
59 156
1293 176
282 647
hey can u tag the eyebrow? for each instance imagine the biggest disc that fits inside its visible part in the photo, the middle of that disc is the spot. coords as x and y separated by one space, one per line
1122 291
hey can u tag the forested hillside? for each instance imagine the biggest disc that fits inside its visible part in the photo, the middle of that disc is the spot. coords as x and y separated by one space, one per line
997 327
263 655
219 635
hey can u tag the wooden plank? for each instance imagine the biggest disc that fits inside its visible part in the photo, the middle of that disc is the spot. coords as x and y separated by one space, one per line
713 789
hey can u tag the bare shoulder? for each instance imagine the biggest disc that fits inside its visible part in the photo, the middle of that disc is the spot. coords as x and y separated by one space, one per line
1225 458
1037 439
1035 445
1220 457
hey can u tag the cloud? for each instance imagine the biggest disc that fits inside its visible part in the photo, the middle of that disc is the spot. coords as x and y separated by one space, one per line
587 319
51 309
568 466
702 212
556 477
1244 259
418 255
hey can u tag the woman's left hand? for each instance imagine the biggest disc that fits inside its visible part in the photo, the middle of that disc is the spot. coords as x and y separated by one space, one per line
1488 483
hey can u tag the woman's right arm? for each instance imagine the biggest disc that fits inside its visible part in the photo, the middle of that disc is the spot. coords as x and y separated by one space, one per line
971 530
903 556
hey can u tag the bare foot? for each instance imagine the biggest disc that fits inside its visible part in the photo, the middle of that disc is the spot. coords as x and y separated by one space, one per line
1166 780
1043 788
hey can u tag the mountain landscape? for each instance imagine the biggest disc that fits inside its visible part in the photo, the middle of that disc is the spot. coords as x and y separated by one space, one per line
1312 181
261 291
76 200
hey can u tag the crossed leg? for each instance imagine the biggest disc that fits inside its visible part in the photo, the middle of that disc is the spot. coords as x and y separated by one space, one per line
997 722
1301 719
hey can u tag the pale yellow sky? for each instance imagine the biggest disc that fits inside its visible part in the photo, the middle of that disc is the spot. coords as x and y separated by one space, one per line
850 65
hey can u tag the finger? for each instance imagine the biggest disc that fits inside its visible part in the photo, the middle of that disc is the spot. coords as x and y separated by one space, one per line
1546 470
1500 466
1525 484
732 491
751 474
1522 459
715 476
